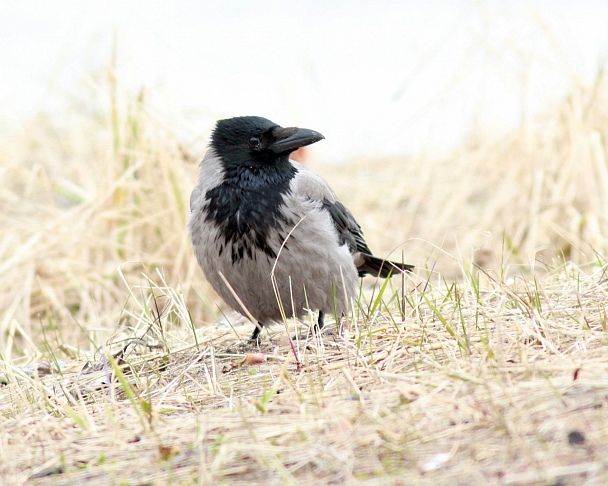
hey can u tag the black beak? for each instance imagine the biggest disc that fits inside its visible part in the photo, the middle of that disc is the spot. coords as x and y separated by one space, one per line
290 139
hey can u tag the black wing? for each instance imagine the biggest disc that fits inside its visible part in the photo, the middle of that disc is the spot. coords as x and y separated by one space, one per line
351 234
349 230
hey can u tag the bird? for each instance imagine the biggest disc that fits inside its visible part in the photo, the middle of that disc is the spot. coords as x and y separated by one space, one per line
270 235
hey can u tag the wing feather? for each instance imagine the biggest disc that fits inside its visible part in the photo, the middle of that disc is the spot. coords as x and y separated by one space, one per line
309 185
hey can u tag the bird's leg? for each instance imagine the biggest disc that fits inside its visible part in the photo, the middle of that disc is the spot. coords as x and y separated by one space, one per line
321 322
256 333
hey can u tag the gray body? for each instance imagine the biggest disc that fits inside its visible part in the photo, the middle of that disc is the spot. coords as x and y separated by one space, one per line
312 270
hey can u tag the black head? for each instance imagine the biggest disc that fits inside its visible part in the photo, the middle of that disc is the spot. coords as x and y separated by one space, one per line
253 140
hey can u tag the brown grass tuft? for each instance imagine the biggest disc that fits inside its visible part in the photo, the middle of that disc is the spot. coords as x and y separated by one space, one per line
496 201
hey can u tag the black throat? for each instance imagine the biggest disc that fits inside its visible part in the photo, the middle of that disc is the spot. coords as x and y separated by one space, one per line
246 206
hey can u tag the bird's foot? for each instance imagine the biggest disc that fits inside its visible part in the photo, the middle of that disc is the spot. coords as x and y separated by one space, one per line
316 329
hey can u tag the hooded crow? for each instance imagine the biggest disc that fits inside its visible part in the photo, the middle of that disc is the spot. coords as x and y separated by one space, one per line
269 234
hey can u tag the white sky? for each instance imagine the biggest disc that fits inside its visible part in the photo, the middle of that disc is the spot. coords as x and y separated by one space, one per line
379 77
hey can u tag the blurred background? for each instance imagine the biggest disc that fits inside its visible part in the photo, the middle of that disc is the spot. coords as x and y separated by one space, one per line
460 134
377 78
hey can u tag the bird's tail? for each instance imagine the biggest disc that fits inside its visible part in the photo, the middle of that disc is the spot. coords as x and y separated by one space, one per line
378 267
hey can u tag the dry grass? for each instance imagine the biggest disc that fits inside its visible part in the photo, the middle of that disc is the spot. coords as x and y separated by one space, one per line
505 385
463 375
498 201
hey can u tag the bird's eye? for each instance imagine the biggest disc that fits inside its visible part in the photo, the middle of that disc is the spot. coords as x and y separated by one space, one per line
254 142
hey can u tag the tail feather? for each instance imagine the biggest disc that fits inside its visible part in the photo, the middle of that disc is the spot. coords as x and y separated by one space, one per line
378 267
